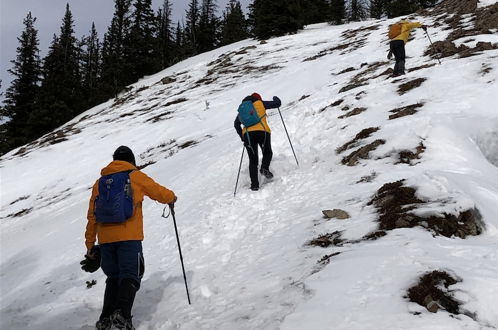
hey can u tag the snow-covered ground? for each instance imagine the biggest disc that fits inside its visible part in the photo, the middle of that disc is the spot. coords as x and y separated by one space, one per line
247 259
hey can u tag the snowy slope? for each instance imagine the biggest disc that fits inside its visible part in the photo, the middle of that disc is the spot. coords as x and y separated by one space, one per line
247 259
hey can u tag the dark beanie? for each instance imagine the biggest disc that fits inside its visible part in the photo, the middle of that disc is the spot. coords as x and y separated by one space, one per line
124 153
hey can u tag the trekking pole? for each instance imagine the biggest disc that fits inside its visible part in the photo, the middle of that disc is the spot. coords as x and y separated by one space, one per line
432 45
172 211
238 175
283 122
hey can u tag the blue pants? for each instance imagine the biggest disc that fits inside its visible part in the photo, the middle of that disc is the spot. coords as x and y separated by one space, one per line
123 260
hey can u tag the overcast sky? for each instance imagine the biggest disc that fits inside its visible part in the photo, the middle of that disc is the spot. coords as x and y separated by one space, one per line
49 14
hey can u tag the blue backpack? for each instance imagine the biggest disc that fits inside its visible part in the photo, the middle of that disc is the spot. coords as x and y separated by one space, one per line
248 115
114 203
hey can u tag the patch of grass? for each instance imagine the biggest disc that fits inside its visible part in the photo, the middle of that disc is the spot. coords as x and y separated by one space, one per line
408 86
362 153
405 111
365 133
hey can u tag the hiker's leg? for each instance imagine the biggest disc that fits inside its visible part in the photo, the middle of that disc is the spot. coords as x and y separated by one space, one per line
131 269
402 59
267 152
109 265
252 152
398 49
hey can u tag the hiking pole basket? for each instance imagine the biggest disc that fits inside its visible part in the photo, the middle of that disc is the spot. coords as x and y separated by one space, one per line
172 212
432 45
238 175
283 122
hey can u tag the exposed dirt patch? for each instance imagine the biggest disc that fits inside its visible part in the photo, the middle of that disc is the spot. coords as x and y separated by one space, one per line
405 111
326 259
457 6
162 116
327 240
129 94
334 104
304 97
19 199
346 70
352 86
432 292
367 178
179 100
485 69
363 77
410 157
354 112
351 34
362 153
142 166
425 66
168 80
52 138
394 201
408 86
365 133
21 213
188 144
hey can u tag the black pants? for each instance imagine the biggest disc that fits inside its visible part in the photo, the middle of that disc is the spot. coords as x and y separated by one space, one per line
398 49
263 140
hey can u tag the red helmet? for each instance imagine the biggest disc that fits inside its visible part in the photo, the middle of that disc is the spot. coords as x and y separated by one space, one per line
256 96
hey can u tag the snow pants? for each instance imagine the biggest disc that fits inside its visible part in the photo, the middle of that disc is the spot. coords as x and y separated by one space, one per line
123 260
398 49
254 139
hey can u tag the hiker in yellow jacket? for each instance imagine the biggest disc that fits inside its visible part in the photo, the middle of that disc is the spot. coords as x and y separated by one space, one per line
397 44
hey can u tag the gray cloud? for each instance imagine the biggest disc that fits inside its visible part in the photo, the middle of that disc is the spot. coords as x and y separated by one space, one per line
49 14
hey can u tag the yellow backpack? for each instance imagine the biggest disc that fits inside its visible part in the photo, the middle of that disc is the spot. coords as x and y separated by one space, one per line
394 30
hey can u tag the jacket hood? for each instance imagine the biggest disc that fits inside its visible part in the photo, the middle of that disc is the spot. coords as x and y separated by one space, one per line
117 166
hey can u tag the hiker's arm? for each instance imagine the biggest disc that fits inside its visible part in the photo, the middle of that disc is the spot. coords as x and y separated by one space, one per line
237 124
91 226
414 25
153 189
276 103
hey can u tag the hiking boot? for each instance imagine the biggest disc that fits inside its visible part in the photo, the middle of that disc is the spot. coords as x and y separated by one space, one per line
266 173
104 323
121 322
254 188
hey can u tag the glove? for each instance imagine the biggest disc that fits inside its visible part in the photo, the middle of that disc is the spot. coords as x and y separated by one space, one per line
424 27
276 99
92 260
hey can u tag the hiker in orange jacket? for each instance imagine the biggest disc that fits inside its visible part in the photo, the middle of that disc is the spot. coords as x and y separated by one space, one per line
120 244
397 44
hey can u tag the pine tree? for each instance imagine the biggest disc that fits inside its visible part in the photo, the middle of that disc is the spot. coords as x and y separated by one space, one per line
337 11
234 24
357 10
275 17
377 8
165 39
315 11
395 8
140 43
191 40
60 97
208 26
21 95
90 67
113 78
